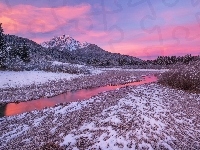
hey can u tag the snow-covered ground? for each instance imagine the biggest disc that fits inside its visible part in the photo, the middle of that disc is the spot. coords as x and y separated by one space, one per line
21 78
30 85
56 87
61 63
144 117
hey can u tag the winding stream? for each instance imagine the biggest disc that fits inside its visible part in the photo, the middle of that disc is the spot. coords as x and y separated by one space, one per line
14 108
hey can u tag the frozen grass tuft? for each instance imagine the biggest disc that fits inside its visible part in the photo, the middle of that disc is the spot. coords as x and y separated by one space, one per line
184 77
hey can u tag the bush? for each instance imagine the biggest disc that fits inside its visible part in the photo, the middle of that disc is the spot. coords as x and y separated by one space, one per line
184 77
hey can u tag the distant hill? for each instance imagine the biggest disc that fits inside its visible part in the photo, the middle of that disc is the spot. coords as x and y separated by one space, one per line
25 54
90 54
17 47
94 55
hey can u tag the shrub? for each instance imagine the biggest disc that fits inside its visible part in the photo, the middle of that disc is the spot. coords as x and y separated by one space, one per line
184 77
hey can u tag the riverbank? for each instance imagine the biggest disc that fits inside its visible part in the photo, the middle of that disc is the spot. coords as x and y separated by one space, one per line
74 96
56 85
147 116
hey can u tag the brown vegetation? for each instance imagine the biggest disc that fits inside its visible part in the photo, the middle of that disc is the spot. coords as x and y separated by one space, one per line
51 146
184 77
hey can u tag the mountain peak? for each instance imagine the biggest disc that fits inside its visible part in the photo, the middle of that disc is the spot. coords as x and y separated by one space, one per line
64 42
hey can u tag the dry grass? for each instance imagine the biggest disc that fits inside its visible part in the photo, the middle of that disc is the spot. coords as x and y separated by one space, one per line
184 77
151 117
51 146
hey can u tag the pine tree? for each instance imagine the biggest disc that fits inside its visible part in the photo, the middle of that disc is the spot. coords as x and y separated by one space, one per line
25 53
2 48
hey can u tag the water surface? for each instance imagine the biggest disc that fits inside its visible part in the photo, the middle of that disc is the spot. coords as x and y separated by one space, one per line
18 108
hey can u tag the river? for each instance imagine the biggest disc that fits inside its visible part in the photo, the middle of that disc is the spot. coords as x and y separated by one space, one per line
18 108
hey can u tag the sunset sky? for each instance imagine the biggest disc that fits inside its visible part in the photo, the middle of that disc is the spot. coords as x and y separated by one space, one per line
141 28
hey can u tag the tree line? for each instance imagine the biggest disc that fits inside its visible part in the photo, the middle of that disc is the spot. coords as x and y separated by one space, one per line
170 60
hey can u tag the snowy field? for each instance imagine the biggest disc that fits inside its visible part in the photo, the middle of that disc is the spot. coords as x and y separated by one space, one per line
21 78
30 85
144 117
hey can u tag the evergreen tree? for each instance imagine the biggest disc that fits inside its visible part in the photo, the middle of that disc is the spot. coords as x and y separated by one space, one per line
21 50
24 53
2 48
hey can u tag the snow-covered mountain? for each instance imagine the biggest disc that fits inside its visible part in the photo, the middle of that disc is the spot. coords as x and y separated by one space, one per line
64 42
75 51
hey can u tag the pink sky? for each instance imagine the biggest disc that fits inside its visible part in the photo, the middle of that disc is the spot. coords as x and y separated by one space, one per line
138 30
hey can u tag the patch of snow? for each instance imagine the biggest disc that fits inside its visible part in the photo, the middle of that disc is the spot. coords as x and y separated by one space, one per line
21 78
38 120
68 64
96 71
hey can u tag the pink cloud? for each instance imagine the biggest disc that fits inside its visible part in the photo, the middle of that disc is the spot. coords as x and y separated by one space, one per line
27 18
177 40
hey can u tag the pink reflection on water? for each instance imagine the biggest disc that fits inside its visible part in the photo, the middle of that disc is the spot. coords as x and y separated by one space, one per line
13 108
